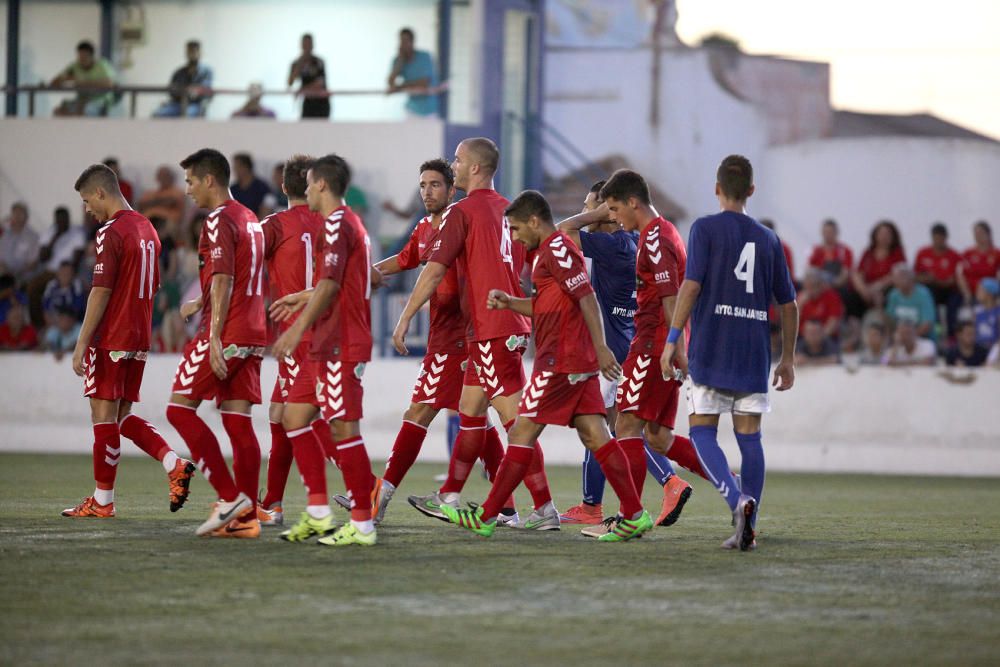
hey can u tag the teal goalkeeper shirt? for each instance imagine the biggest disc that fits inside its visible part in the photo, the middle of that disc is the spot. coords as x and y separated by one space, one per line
421 66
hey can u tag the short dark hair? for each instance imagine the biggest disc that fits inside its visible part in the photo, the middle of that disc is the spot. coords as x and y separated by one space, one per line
86 45
334 171
767 222
985 226
208 161
939 228
831 223
442 167
98 176
626 183
193 43
61 212
735 177
962 324
596 187
244 159
293 175
408 31
527 204
486 152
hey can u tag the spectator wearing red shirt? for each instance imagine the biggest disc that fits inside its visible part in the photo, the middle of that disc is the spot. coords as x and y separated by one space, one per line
832 256
819 302
17 333
936 267
980 261
784 247
873 277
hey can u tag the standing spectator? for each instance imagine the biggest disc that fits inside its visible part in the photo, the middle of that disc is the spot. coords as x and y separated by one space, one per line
413 72
19 244
128 192
873 345
987 312
10 296
936 267
65 292
248 189
166 201
909 300
311 72
908 348
190 87
276 200
253 108
61 337
873 275
16 333
980 261
966 351
832 256
820 302
815 348
92 77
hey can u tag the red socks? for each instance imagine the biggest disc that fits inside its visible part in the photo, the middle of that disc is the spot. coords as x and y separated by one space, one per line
358 478
682 453
635 453
107 452
204 449
309 458
620 474
279 463
144 435
468 447
492 457
321 428
405 450
512 470
535 479
246 452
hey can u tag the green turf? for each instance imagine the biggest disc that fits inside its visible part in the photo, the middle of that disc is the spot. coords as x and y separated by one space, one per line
850 570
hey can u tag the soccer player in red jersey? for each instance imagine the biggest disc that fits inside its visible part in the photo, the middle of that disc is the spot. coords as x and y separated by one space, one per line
474 237
339 311
564 389
114 339
222 362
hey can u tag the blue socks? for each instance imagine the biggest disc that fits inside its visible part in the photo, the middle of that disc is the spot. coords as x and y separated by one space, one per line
658 466
593 479
713 460
752 467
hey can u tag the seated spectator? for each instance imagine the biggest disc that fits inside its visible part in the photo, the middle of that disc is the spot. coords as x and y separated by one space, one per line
818 301
832 256
980 261
19 245
784 248
248 189
909 349
909 300
872 278
873 345
310 70
128 192
987 312
413 72
966 351
62 242
10 296
815 348
16 333
65 292
166 201
276 199
190 87
61 337
92 76
253 108
936 267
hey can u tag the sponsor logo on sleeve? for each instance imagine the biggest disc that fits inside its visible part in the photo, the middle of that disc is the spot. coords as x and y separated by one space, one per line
576 281
216 253
99 268
661 277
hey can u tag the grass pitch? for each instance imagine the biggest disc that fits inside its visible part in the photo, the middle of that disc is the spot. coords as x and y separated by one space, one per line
850 570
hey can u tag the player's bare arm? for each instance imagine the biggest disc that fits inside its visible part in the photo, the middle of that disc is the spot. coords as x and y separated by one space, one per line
388 266
283 309
189 308
221 293
675 356
610 368
500 300
316 303
784 372
97 303
572 225
431 276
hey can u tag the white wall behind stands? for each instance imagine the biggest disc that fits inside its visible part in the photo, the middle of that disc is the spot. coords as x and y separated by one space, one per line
242 40
875 421
40 159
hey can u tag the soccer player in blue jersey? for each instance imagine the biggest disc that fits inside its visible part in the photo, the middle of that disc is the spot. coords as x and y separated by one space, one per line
735 266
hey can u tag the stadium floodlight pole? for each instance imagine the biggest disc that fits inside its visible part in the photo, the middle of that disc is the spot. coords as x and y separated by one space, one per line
13 48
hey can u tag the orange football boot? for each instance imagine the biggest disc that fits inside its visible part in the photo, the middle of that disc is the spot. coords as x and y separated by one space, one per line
89 508
180 481
244 527
582 514
675 493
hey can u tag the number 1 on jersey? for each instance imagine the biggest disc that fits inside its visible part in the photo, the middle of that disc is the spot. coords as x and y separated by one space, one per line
744 267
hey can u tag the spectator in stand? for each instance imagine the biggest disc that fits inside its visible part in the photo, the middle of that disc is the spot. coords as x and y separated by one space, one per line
980 261
61 337
987 312
966 351
832 256
253 107
248 189
784 248
62 242
65 292
128 192
873 345
820 302
92 76
166 201
909 300
16 333
413 72
908 348
936 267
190 87
276 200
310 70
815 348
19 244
10 296
873 277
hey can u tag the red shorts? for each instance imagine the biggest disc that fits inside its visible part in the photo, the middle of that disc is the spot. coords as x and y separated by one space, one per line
112 375
333 386
645 393
194 377
439 383
288 369
557 398
495 365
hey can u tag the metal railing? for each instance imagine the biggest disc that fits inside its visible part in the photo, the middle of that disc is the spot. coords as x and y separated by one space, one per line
557 145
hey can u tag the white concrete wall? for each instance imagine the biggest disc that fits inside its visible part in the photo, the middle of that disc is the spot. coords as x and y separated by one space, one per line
876 421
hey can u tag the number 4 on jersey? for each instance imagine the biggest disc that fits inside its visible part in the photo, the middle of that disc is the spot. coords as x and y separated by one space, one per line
744 267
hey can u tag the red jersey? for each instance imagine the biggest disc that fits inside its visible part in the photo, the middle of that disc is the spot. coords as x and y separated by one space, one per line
474 236
127 263
291 246
659 270
873 268
825 306
788 259
448 323
559 276
344 331
232 243
832 260
25 339
940 265
978 264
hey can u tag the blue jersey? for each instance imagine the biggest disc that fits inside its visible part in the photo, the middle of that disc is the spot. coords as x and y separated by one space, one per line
612 273
740 266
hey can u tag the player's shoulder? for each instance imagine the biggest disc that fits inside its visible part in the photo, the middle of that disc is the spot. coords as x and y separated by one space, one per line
234 211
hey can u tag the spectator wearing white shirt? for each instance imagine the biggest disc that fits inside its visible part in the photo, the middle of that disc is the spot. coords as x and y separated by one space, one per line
19 244
908 349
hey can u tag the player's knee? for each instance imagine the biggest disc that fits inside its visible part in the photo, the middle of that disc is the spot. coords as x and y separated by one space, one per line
420 413
659 440
628 426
